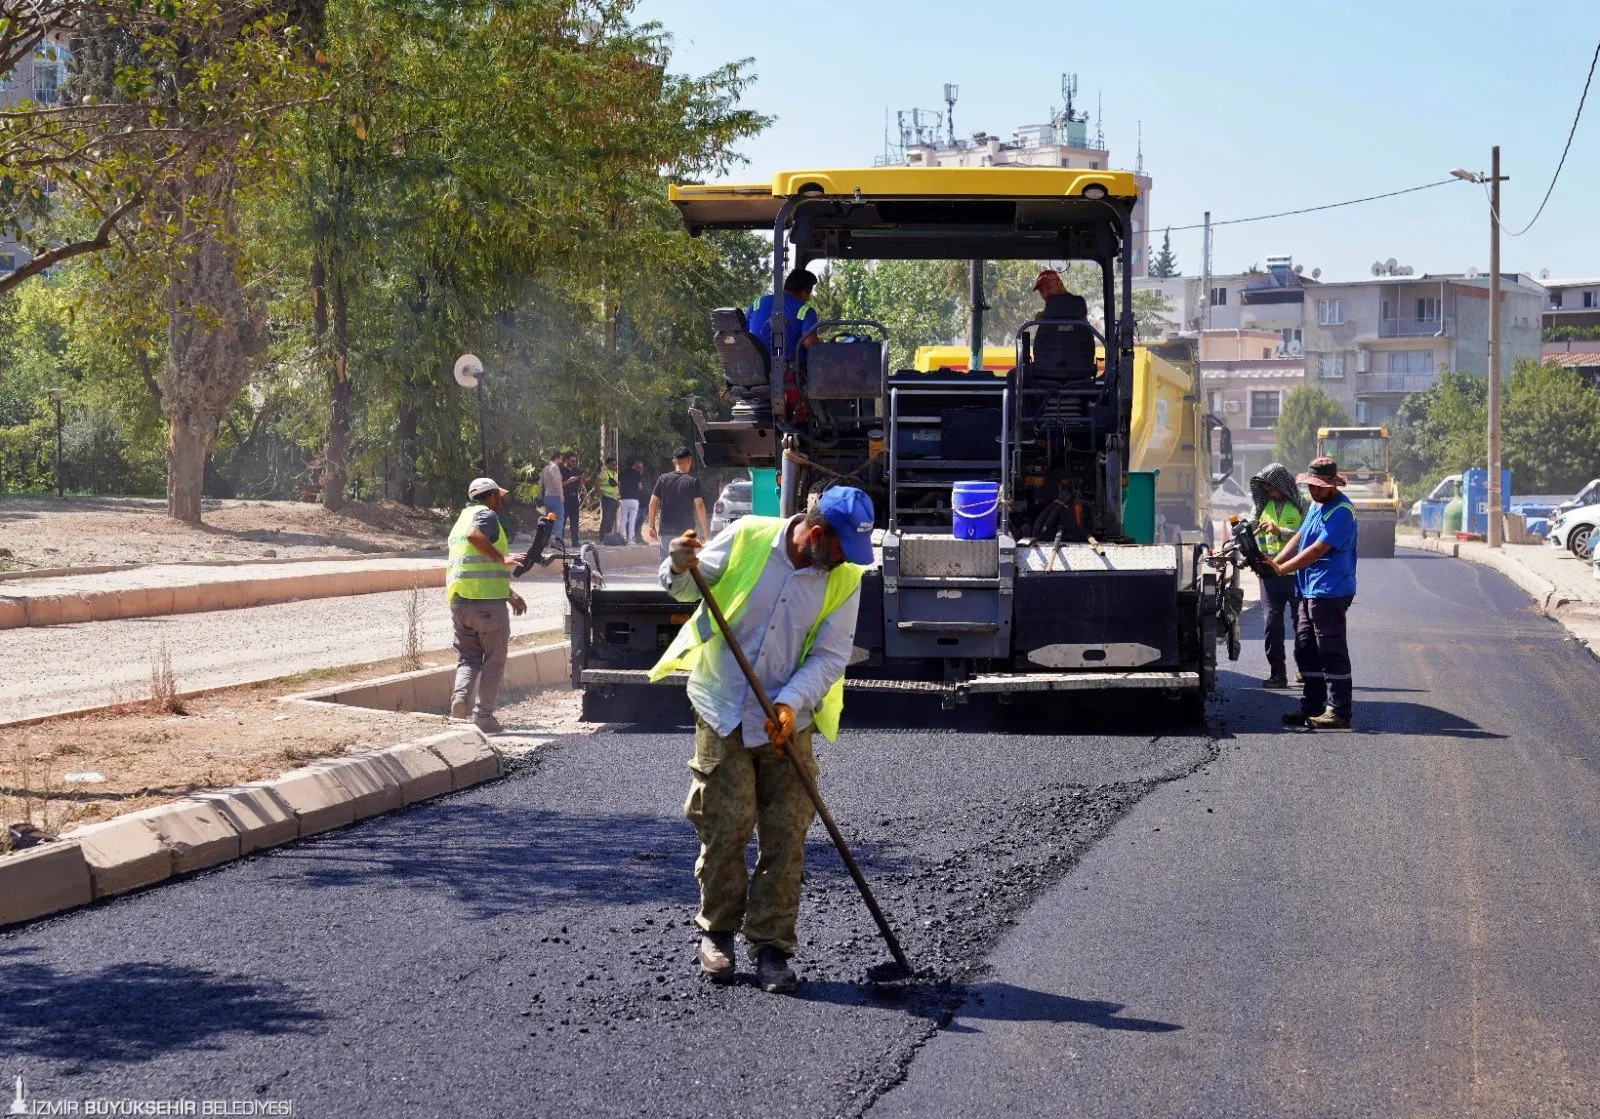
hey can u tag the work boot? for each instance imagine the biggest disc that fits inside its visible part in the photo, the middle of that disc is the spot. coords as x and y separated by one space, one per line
773 971
1296 719
1328 720
716 957
488 724
458 710
1276 680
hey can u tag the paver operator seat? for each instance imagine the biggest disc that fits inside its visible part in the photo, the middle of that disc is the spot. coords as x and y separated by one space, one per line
1063 342
746 362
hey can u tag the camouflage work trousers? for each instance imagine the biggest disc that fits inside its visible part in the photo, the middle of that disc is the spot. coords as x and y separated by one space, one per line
736 792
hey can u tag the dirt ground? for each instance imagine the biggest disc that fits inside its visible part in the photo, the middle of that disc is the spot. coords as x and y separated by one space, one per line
145 757
86 531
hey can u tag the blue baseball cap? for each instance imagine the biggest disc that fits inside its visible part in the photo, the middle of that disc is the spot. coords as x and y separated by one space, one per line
849 511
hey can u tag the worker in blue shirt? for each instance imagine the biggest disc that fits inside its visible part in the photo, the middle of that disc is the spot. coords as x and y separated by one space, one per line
1322 557
799 317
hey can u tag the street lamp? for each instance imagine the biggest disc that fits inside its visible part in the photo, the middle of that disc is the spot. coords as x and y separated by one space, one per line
469 375
1494 179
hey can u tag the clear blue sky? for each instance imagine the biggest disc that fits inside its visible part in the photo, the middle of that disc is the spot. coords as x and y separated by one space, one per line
1247 108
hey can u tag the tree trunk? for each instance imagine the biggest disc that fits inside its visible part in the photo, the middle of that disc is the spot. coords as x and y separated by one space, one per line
188 441
408 444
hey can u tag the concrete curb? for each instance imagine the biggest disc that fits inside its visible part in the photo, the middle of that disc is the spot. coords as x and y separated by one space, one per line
205 830
199 598
432 552
428 689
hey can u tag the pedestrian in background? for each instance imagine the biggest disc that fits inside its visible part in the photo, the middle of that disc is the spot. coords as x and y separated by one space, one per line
478 588
551 491
677 503
1322 557
631 487
571 491
610 498
1279 509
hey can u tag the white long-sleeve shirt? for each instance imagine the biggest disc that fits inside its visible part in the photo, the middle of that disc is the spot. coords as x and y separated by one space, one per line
771 629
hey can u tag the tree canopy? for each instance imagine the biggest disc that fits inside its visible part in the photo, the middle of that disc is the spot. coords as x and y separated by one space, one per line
1304 410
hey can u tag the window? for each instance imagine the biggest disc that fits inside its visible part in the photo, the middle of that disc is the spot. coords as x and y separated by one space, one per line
1136 257
1330 367
1291 336
1264 408
1094 165
1330 312
1555 298
1590 300
1219 297
1428 310
1386 308
1214 401
1266 353
1410 361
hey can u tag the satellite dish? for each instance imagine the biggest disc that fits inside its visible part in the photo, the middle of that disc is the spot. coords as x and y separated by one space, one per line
468 370
1316 273
1472 273
1390 264
1299 268
1544 273
1406 270
1377 268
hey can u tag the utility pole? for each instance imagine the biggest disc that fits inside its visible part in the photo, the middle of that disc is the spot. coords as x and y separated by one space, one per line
1205 274
1494 348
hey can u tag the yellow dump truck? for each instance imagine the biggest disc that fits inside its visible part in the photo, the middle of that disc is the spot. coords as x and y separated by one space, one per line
1363 457
1171 431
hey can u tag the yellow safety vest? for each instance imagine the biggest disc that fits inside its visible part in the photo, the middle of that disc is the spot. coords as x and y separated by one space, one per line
608 485
472 574
1287 517
753 539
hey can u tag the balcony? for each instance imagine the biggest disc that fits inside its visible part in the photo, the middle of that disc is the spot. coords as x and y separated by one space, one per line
1414 328
1372 383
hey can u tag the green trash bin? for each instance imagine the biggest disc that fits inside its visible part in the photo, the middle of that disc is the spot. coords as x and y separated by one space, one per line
1139 505
764 491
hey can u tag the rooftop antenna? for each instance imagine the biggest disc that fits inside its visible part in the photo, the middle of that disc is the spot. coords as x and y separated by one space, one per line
1069 90
1099 122
1138 166
950 94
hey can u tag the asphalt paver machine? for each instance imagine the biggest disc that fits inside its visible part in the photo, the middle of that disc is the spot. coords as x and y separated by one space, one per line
1071 590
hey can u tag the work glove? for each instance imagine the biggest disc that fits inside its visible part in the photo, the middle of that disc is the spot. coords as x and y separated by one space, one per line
682 552
778 732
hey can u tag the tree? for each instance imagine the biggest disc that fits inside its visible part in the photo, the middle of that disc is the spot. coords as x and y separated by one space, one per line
1164 265
1550 428
1304 410
916 300
1441 430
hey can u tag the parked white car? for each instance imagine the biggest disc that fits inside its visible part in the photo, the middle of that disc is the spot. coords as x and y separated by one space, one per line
1589 495
1230 498
1571 530
732 503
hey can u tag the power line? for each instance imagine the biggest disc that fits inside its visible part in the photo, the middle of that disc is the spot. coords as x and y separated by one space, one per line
1310 209
1576 117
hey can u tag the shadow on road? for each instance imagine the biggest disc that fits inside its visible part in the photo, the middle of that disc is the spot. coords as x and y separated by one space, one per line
983 1002
130 1013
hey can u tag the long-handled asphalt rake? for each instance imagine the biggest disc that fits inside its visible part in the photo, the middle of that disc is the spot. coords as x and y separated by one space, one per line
883 971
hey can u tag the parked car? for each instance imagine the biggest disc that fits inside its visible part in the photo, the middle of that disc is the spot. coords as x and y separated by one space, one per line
1589 495
1230 498
1571 530
732 503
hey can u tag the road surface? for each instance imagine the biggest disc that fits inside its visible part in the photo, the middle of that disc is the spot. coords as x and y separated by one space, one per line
1122 920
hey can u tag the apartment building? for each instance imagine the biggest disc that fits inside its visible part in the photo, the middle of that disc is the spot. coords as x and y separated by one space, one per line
1245 374
40 80
1270 300
1571 303
1369 343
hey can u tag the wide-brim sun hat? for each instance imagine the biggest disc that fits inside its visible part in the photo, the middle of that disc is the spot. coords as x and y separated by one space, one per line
1323 472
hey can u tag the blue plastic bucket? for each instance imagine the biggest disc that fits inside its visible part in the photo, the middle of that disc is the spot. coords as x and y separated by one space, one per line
974 510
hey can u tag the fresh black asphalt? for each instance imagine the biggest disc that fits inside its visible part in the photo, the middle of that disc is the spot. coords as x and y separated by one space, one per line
1369 923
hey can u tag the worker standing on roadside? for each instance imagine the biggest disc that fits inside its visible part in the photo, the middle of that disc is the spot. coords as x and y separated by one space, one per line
571 494
632 488
790 589
1279 509
677 503
610 498
1322 556
478 588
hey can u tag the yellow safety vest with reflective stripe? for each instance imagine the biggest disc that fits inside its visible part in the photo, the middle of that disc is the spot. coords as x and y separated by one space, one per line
1287 517
608 485
753 540
472 574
